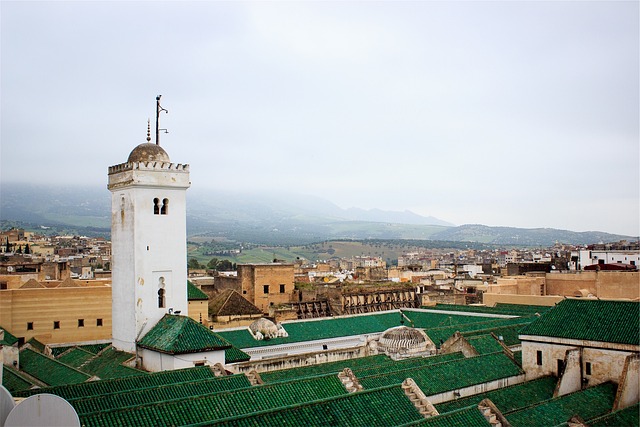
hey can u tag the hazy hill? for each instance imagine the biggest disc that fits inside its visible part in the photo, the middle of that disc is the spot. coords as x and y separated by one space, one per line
279 219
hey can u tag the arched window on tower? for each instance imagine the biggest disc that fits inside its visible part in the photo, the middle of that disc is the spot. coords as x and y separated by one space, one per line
156 206
160 298
164 210
161 301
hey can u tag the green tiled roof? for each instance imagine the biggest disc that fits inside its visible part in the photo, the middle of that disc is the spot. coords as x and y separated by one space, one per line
109 364
403 365
508 398
122 385
589 403
311 330
627 417
480 327
195 294
91 348
386 406
484 344
465 417
509 333
14 381
235 355
133 400
48 370
75 357
593 320
500 308
181 334
324 368
207 406
37 345
8 339
451 375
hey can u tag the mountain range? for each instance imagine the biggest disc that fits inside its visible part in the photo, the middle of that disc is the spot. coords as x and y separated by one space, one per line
275 218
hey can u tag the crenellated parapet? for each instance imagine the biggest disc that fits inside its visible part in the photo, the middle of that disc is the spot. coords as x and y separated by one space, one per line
149 166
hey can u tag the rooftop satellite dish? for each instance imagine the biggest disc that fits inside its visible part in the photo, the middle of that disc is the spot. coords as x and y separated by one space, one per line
43 410
6 404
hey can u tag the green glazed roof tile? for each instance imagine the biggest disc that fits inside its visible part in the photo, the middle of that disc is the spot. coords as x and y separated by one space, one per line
589 403
588 319
122 385
195 294
235 355
8 339
629 416
464 417
507 398
181 334
48 370
14 381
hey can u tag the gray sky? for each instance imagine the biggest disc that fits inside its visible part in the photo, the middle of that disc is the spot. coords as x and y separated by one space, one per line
519 114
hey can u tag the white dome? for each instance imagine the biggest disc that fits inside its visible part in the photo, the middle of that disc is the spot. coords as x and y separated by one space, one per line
403 341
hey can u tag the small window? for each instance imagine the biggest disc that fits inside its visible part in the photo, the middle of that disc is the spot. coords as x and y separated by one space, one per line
539 358
156 206
3 285
56 324
98 322
160 298
587 368
244 292
80 323
199 363
265 289
560 367
164 210
29 326
282 289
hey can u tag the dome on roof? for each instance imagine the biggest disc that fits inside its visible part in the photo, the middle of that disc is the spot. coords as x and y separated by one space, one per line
265 328
148 152
403 341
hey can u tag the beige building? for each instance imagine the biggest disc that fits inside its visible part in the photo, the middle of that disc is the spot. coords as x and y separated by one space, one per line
263 285
549 288
58 312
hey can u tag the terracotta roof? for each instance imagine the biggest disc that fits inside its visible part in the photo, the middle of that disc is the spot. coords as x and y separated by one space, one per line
181 334
231 303
592 320
32 284
68 283
195 294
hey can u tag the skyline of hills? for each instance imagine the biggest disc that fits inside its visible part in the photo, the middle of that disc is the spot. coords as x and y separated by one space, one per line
274 218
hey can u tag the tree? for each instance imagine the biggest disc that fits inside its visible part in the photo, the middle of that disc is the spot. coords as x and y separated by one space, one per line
213 264
27 249
19 250
225 265
193 264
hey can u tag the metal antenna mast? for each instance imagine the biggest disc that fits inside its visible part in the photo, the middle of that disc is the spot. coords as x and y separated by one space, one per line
158 109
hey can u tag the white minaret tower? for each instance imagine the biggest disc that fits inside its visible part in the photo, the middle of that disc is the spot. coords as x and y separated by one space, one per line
148 238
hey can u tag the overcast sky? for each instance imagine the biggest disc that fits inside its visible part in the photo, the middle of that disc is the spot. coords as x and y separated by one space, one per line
502 113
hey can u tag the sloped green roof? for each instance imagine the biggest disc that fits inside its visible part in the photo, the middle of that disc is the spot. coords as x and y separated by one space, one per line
480 327
589 403
48 370
122 385
235 355
405 364
132 401
181 334
207 404
386 406
465 417
484 344
629 416
14 381
450 375
195 294
588 319
324 368
334 327
508 398
110 364
500 308
75 357
8 339
91 348
37 345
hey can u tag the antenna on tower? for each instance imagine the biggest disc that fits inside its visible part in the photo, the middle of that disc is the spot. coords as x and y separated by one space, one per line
158 109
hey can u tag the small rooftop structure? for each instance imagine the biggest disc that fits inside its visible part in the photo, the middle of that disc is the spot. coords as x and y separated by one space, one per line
403 342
